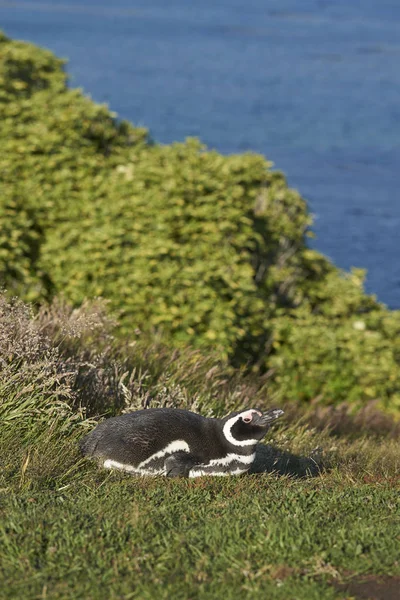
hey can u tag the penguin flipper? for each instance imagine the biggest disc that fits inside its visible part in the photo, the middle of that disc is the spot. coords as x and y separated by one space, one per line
179 464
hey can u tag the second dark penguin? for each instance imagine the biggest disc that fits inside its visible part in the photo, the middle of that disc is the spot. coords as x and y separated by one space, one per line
179 443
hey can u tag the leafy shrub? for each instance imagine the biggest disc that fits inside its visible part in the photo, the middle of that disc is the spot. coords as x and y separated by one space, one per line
23 72
337 346
204 250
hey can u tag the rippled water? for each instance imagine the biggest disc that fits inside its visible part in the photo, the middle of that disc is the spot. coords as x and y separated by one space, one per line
312 84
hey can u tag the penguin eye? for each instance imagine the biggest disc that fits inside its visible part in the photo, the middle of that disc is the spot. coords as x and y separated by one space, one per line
247 419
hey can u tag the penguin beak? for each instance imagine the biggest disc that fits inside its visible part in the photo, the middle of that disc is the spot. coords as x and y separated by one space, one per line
267 417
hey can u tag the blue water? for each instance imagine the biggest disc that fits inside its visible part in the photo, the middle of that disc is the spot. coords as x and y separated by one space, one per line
312 84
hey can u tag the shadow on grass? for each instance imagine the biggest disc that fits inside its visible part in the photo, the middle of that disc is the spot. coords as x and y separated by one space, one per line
272 460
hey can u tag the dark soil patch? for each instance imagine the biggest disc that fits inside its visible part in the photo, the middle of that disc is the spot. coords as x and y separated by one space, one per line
371 587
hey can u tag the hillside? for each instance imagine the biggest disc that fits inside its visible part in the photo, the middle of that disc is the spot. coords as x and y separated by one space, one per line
204 250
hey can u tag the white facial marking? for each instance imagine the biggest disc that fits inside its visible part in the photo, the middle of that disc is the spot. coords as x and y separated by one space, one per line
247 414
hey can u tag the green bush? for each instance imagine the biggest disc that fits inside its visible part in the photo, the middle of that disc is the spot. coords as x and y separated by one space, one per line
203 249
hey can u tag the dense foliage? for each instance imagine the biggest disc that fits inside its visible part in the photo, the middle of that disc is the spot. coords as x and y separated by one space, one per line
203 249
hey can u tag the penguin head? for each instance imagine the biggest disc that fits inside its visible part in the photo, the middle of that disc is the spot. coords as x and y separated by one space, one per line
248 427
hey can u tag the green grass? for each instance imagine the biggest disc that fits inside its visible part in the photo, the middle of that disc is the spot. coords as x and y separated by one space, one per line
71 530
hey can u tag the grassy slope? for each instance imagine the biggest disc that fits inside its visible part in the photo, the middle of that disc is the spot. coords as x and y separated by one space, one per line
71 530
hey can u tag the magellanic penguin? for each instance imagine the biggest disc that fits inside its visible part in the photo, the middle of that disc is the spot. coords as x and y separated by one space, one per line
178 443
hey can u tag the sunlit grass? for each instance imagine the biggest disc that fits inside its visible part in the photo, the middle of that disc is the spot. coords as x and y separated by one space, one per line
70 529
320 508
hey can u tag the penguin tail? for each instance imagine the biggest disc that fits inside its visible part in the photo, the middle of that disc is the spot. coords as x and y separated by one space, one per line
87 445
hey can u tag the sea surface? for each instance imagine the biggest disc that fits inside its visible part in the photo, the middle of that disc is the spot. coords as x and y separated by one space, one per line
314 85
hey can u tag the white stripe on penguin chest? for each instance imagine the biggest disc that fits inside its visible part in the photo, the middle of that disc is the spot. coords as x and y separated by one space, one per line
154 464
231 464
